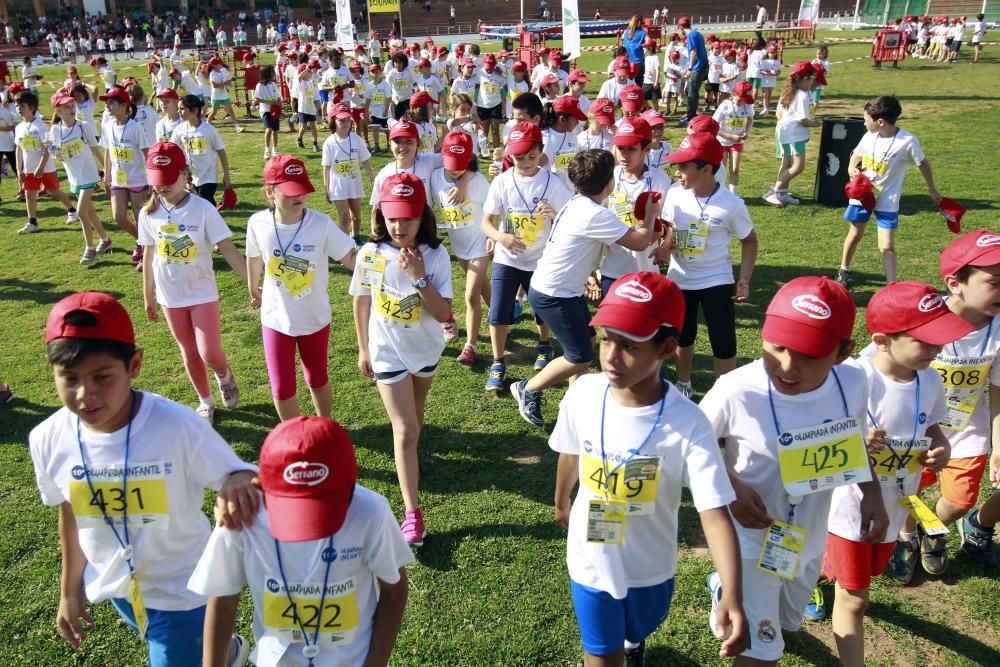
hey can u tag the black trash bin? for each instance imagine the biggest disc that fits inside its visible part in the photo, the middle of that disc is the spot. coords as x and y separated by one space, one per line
838 139
508 44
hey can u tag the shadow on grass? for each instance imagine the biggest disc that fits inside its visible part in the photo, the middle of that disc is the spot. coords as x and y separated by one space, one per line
949 637
18 417
40 292
808 648
438 551
662 656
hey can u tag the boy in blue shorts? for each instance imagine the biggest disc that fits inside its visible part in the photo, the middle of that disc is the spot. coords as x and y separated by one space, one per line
632 441
883 156
128 470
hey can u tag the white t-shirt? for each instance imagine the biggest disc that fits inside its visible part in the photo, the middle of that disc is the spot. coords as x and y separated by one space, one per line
619 260
369 547
462 222
581 229
769 68
463 86
651 72
490 92
165 128
730 70
753 63
345 157
183 241
268 92
401 84
148 118
8 118
201 146
219 76
379 94
740 413
788 129
732 118
561 148
306 96
430 85
587 141
30 137
73 149
401 335
422 168
126 144
687 455
978 30
884 161
656 157
298 305
701 258
715 65
891 403
174 455
612 90
519 196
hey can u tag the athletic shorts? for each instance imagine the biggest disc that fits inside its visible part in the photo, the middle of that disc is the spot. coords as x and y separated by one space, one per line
960 480
324 96
392 377
218 104
401 108
956 46
605 622
380 122
719 312
712 87
883 219
168 633
754 81
504 284
47 181
271 123
77 189
650 92
773 604
568 318
139 189
358 114
490 113
853 564
790 150
735 148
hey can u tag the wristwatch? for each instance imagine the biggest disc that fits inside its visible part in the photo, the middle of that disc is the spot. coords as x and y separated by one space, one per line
421 283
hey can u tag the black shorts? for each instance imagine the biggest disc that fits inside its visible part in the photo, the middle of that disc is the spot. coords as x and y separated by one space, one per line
650 91
491 113
712 87
379 122
307 117
720 318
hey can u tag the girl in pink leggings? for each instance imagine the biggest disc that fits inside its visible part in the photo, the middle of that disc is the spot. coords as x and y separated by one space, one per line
292 245
177 231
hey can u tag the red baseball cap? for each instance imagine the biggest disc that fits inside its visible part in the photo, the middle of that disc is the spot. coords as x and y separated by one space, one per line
675 55
810 315
567 104
978 248
632 132
703 123
116 93
632 98
421 98
952 212
490 58
578 75
639 304
374 68
456 150
404 128
771 48
288 173
302 68
916 309
113 322
229 200
522 137
519 67
603 110
744 89
649 44
860 187
621 68
424 62
340 111
803 68
697 146
307 473
173 70
168 94
548 80
555 57
468 62
403 196
214 60
61 98
684 22
164 163
654 117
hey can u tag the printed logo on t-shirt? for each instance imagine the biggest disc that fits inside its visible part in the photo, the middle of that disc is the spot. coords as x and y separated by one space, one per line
811 306
987 240
305 473
922 418
930 303
766 632
587 446
329 555
633 290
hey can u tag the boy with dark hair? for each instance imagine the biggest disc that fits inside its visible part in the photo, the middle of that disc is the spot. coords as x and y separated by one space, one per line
128 471
882 156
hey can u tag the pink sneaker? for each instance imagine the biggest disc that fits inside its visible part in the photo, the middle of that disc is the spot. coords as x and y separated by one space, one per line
413 528
450 331
467 355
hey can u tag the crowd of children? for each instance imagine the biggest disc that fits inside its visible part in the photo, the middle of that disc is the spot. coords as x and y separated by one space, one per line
804 464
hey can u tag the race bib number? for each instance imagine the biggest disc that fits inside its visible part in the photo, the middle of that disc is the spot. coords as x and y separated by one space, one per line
293 273
964 379
121 154
526 226
634 484
174 246
348 168
397 310
30 143
337 621
782 549
491 89
605 522
820 458
563 160
379 99
737 123
145 498
372 270
869 163
894 463
693 240
456 217
621 205
427 142
195 145
70 149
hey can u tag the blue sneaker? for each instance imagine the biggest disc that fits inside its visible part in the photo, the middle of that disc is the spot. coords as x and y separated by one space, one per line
529 403
543 356
495 378
816 609
977 540
518 309
683 122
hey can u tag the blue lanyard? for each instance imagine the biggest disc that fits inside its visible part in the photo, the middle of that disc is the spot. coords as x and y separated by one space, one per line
650 162
531 209
886 153
170 210
350 146
989 332
123 540
311 649
649 183
274 221
63 137
632 452
120 141
913 439
702 218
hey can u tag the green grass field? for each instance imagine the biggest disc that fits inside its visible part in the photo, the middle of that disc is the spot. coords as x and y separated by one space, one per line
490 585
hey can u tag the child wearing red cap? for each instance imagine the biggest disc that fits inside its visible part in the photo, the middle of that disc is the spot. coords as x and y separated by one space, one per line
716 62
735 118
883 156
267 96
791 425
821 63
344 154
419 113
706 217
612 88
909 324
306 102
319 541
578 81
220 82
791 133
292 245
770 68
659 148
631 456
171 118
559 122
177 234
491 90
673 73
128 471
402 294
379 96
429 83
203 149
600 118
731 74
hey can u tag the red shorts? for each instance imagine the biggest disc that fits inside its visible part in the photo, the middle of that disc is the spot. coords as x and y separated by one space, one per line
853 564
735 148
48 181
960 480
358 114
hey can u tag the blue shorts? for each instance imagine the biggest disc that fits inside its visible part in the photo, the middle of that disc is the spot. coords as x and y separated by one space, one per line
503 285
174 637
271 123
883 219
307 117
568 318
605 623
324 96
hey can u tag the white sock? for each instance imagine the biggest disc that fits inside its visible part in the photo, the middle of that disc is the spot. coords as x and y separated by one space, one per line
732 188
210 400
905 537
225 378
630 645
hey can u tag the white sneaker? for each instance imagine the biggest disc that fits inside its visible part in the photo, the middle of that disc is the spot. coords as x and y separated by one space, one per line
267 152
104 246
240 128
206 410
715 590
89 256
773 199
685 388
71 217
29 228
239 652
229 389
788 199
